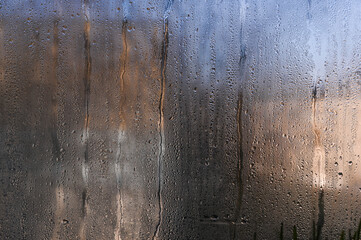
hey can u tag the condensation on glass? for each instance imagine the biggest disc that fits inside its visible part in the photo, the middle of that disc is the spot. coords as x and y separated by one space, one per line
179 119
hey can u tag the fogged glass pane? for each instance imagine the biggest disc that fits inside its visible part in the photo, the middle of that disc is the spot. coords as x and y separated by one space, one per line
180 119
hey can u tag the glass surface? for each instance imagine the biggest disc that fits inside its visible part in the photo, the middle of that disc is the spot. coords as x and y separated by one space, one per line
179 119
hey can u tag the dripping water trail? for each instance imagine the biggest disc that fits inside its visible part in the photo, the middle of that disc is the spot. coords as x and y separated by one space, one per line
161 121
314 126
309 5
54 87
233 223
84 211
318 158
59 193
124 56
86 82
83 203
321 214
118 168
318 163
239 166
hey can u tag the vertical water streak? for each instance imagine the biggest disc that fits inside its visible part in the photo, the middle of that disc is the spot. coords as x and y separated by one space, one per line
318 165
233 225
319 152
321 213
53 88
86 81
118 167
239 168
119 217
161 114
59 193
60 199
318 162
